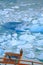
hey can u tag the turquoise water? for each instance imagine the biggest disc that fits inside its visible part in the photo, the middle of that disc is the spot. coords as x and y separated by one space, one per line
21 26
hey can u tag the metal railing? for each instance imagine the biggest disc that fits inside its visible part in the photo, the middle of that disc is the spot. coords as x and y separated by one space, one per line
21 62
32 62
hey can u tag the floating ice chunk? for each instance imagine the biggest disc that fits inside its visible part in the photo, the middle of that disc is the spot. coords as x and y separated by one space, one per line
39 45
3 12
35 21
14 42
40 57
30 55
1 39
30 18
27 37
41 20
14 35
8 36
37 34
8 50
8 9
29 46
40 42
4 37
25 19
42 14
18 50
39 48
16 7
20 46
1 51
36 29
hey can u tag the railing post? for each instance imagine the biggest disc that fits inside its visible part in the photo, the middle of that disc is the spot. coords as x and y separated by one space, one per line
16 61
32 63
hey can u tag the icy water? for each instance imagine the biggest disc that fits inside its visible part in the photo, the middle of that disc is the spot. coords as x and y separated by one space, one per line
21 26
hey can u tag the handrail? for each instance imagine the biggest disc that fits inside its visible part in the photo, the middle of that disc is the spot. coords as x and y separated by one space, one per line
5 62
31 61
